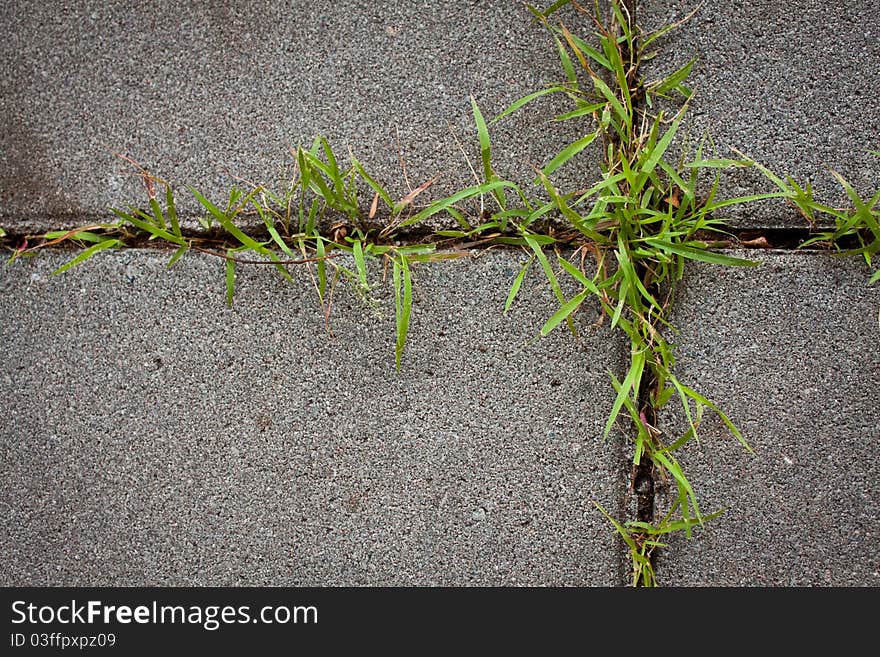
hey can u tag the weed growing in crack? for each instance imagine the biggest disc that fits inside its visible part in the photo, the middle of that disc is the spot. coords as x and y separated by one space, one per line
646 212
292 222
858 226
640 219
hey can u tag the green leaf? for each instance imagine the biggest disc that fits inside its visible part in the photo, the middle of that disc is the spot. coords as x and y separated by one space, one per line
525 100
485 146
863 212
564 312
149 228
224 220
556 6
567 153
177 255
84 235
717 164
384 195
577 274
567 66
643 570
576 219
701 253
172 211
660 148
333 169
230 278
464 194
588 50
360 263
157 213
609 183
486 152
402 304
673 467
210 207
517 283
273 233
85 255
693 394
711 207
623 116
551 277
631 382
581 111
674 80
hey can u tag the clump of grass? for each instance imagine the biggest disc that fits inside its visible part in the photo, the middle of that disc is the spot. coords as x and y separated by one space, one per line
291 219
857 225
640 219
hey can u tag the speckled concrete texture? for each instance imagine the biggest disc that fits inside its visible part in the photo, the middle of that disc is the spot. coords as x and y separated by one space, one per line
206 94
791 84
790 351
150 435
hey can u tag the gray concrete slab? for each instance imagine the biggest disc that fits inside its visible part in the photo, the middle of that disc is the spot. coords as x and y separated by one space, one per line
151 435
792 84
204 94
790 350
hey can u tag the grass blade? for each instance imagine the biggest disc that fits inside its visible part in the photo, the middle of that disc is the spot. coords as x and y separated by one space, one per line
566 154
230 278
360 263
85 255
673 80
631 382
567 66
147 227
660 148
172 211
383 194
551 277
517 283
525 100
701 253
564 313
157 213
581 111
177 255
224 220
446 203
485 146
402 304
623 116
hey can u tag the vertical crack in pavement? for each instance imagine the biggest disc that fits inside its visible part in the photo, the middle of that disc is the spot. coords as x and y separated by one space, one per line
642 482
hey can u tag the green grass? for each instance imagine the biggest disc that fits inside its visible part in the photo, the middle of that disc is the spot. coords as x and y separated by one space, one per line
645 217
642 216
857 225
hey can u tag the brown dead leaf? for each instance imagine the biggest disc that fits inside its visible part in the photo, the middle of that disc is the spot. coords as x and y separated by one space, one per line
409 198
757 243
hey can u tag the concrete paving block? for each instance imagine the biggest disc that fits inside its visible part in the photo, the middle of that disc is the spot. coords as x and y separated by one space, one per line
208 94
153 436
791 351
791 84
